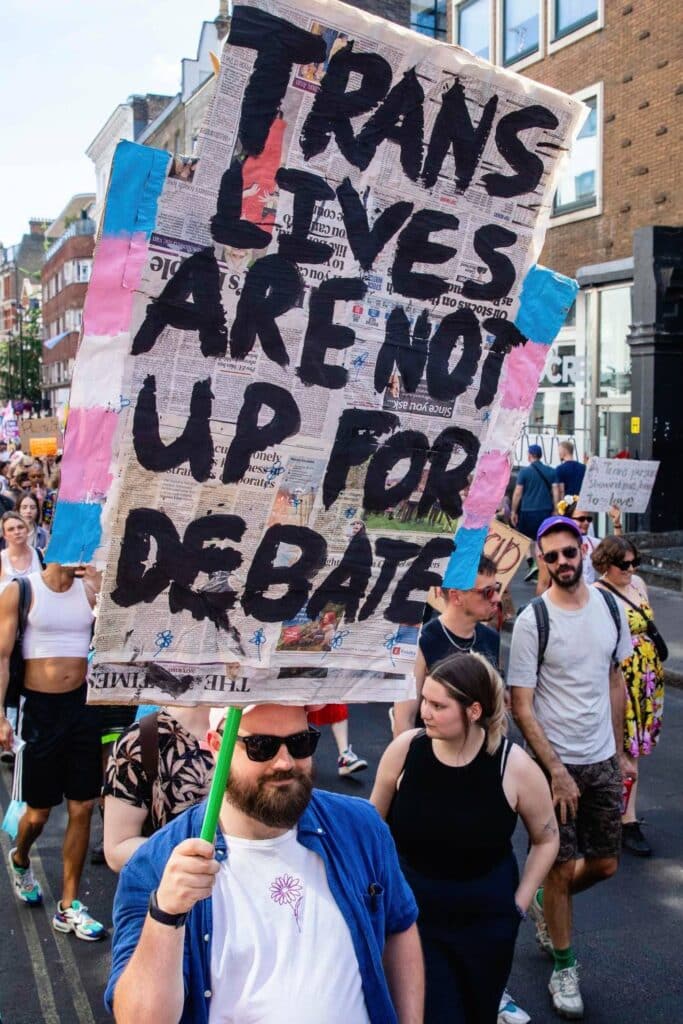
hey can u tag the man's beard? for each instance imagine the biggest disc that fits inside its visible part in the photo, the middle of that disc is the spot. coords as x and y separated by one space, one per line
568 580
274 806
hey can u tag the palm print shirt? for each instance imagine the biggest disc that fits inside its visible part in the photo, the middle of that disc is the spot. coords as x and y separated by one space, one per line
184 774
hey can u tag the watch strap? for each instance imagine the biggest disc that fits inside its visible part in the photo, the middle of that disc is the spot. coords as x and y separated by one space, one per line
160 916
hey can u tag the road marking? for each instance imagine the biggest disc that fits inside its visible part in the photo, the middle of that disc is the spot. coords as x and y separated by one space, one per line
46 996
43 985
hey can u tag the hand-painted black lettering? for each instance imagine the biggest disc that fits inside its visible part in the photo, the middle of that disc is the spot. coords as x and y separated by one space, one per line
393 552
367 244
399 118
272 286
414 246
333 107
444 485
453 128
505 336
346 584
487 240
308 189
199 277
357 438
227 225
194 445
398 350
418 576
135 582
442 384
529 167
250 437
322 334
208 603
378 494
297 577
279 46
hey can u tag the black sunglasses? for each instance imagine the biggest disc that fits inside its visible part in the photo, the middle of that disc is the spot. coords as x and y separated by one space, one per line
552 556
300 745
582 519
625 566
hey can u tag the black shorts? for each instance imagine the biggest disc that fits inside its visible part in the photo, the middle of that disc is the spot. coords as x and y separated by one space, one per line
63 752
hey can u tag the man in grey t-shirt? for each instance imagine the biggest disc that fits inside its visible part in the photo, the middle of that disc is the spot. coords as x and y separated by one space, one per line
571 712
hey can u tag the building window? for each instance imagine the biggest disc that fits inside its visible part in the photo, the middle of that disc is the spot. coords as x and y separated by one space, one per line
614 317
578 188
571 15
473 27
429 18
521 29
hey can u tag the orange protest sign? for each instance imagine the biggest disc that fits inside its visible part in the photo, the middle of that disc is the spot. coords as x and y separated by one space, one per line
41 446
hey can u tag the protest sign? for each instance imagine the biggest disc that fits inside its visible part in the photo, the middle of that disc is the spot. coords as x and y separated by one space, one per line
294 358
626 483
43 427
41 447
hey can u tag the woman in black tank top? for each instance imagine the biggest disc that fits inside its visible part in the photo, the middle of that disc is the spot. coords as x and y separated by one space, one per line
451 793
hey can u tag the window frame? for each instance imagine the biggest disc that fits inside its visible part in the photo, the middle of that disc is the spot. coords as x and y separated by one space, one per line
435 5
456 7
569 215
572 34
529 58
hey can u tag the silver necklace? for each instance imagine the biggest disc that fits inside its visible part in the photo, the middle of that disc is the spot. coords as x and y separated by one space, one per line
449 636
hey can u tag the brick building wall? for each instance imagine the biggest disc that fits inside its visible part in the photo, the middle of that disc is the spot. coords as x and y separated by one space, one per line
635 56
392 10
70 296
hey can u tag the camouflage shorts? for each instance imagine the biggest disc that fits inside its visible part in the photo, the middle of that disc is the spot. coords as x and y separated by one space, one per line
596 829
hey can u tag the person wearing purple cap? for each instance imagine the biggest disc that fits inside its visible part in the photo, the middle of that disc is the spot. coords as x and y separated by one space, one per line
533 498
568 700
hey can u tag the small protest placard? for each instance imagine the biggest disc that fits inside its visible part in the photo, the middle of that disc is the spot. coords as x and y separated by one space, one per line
44 427
626 483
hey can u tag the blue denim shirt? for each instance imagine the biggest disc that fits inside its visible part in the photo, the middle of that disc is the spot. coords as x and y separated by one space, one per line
362 872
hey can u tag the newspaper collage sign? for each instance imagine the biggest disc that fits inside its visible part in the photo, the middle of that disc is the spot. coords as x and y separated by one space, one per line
319 323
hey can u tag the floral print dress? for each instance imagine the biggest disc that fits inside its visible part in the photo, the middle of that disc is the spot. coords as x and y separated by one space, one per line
644 675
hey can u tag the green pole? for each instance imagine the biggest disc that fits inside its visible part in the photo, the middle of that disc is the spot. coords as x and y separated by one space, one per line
220 775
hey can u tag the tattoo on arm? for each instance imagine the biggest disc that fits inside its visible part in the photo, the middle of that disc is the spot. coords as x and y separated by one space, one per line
550 827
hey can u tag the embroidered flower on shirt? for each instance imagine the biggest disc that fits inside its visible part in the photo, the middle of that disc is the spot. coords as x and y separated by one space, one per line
287 890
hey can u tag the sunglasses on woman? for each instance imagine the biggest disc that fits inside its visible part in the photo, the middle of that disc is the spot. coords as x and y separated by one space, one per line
582 519
625 566
552 556
261 747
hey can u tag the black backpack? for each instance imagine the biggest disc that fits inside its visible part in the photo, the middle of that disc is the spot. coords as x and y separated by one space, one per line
543 624
16 660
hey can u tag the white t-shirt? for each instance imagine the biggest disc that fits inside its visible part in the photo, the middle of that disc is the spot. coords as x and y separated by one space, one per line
281 949
572 700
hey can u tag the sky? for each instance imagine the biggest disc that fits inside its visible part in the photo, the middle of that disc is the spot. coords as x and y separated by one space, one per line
64 66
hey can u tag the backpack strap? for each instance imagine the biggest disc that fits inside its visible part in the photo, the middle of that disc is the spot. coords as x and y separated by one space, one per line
616 618
543 628
149 750
544 478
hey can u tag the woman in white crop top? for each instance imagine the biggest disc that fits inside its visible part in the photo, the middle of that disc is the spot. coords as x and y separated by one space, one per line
18 558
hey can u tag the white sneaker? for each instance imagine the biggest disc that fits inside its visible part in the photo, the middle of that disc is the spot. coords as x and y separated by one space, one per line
348 763
509 1012
26 888
76 919
542 935
565 992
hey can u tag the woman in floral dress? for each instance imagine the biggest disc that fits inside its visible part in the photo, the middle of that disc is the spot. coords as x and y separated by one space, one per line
616 560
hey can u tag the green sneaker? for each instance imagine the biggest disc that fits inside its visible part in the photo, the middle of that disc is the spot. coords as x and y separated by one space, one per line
26 888
537 916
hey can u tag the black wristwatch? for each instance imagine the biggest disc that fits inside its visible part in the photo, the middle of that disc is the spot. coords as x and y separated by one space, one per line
157 914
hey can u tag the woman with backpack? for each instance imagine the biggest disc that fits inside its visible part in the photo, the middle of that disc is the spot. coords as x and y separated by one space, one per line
158 768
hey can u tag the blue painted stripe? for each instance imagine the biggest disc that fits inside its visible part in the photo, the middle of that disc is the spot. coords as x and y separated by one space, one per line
76 532
137 178
544 303
461 571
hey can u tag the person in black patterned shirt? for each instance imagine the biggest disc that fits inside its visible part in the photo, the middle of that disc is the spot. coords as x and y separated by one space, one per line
183 778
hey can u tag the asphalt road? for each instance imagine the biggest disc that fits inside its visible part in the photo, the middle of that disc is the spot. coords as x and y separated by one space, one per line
628 930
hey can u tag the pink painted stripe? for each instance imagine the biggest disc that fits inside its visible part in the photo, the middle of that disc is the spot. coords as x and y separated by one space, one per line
522 372
486 492
117 271
87 455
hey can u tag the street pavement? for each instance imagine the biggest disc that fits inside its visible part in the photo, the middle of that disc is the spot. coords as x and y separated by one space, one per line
627 931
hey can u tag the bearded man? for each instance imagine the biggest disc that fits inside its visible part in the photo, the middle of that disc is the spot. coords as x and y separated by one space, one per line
298 911
568 700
